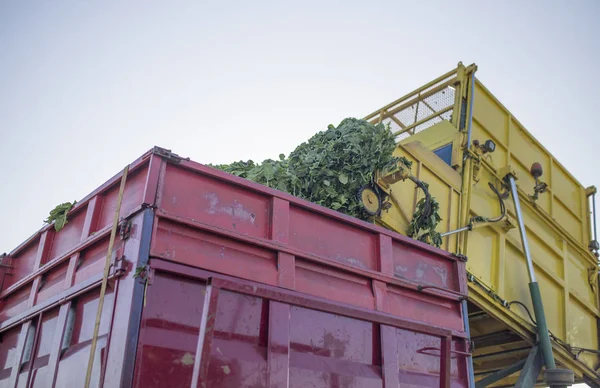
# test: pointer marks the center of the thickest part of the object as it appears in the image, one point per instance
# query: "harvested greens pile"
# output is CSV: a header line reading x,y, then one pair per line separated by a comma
x,y
331,167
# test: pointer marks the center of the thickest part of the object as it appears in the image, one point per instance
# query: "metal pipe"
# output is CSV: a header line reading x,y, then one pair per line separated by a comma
x,y
469,360
515,195
470,125
534,289
594,215
456,231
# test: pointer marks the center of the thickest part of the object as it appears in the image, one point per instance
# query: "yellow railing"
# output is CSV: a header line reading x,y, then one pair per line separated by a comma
x,y
438,100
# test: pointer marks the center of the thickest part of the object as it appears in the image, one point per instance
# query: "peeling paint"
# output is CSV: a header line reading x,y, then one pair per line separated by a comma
x,y
351,261
226,369
236,210
187,359
443,273
420,272
440,271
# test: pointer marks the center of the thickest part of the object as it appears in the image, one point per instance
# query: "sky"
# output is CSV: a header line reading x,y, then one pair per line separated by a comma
x,y
87,87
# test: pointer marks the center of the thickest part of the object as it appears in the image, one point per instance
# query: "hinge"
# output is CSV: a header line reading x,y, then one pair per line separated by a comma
x,y
125,229
168,155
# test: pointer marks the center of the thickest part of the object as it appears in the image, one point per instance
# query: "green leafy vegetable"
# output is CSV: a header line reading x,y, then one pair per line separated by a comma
x,y
58,215
423,225
331,167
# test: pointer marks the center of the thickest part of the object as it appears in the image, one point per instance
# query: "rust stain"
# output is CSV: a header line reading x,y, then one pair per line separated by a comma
x,y
337,346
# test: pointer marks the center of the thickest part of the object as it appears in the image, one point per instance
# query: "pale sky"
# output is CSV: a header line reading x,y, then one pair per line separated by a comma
x,y
87,87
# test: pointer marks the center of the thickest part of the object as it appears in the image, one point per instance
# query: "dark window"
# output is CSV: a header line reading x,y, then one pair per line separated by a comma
x,y
445,153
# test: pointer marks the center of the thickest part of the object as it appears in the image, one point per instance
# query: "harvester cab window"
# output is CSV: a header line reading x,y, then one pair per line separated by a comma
x,y
445,153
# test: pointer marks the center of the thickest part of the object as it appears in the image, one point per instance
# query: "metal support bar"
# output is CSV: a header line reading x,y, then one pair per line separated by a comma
x,y
534,289
531,369
499,375
456,231
519,214
590,382
503,337
468,360
594,211
595,242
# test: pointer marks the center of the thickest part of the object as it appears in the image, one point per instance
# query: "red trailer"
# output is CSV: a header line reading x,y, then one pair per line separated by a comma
x,y
215,281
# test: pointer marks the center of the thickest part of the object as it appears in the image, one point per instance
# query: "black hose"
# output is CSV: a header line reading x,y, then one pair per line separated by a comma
x,y
562,343
526,309
502,205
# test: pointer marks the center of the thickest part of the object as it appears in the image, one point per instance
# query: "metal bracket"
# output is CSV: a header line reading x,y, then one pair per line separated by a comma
x,y
120,266
2,263
125,229
508,223
507,170
168,155
459,256
530,370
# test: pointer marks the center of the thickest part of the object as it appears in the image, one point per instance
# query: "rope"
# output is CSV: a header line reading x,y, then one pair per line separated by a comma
x,y
111,244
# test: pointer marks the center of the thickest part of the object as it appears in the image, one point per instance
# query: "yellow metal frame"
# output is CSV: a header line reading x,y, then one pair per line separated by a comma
x,y
561,213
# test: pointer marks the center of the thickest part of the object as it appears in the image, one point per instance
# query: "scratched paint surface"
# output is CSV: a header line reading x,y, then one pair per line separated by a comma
x,y
413,264
215,203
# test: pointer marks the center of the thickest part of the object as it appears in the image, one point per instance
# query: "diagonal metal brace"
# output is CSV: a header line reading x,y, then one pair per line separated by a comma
x,y
531,369
499,375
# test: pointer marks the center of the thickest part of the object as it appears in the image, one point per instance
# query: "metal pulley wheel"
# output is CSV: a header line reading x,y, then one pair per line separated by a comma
x,y
370,199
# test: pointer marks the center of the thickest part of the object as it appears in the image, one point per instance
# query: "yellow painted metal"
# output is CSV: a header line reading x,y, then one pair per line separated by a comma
x,y
558,223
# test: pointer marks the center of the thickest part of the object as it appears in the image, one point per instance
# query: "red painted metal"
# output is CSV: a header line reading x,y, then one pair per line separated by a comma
x,y
243,286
